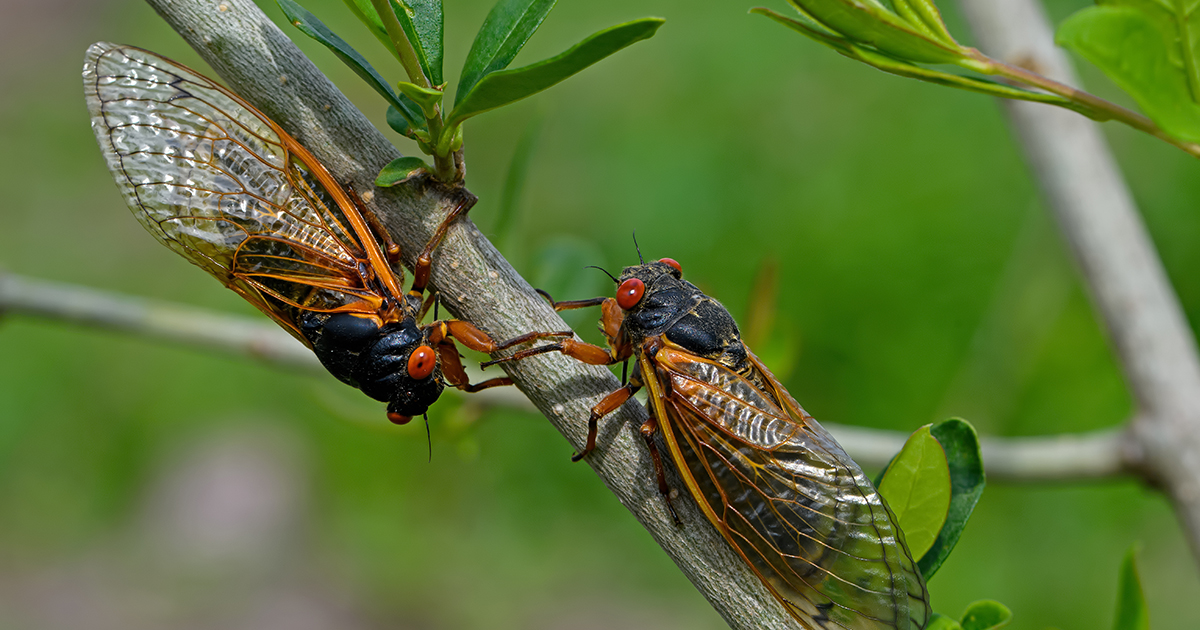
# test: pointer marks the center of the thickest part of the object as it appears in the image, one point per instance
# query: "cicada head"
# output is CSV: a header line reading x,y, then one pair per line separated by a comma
x,y
658,301
402,368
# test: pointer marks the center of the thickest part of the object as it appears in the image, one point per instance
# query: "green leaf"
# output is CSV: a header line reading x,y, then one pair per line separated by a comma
x,y
507,86
986,615
1132,613
869,22
916,486
961,445
508,26
314,28
1179,21
366,13
941,622
401,170
1133,51
925,17
426,98
421,21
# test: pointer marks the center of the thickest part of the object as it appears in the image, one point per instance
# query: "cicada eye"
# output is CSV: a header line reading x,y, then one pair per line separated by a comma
x,y
674,264
630,293
421,363
396,418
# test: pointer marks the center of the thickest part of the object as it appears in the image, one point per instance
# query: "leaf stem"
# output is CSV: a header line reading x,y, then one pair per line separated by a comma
x,y
1093,106
444,165
404,48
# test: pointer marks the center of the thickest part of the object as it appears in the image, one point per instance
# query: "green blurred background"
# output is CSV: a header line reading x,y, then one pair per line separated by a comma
x,y
919,277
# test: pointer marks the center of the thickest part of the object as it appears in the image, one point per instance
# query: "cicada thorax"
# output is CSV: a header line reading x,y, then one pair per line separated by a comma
x,y
392,363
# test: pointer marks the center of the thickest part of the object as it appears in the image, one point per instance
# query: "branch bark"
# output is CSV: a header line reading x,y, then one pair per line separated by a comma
x,y
1084,189
261,64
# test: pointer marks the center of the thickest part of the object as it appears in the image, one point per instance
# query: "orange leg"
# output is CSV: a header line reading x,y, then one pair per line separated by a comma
x,y
477,340
425,260
585,352
456,376
607,405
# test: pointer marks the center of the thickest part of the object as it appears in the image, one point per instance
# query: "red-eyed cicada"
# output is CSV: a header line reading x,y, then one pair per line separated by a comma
x,y
222,185
776,485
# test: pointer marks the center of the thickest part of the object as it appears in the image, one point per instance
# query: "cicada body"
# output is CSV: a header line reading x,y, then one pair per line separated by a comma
x,y
776,485
219,183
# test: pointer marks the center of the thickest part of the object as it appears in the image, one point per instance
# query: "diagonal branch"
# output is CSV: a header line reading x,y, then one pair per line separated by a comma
x,y
260,63
1095,211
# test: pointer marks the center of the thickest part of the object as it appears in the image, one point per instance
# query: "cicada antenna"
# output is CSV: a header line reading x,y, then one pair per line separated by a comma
x,y
641,261
614,279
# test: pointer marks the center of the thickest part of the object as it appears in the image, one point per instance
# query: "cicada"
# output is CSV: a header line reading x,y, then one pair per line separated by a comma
x,y
776,485
218,182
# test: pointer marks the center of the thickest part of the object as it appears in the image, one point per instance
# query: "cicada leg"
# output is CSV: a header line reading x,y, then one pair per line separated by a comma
x,y
607,405
648,429
425,260
442,335
382,236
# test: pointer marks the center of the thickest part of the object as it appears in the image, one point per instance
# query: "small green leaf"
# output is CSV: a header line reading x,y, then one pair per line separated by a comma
x,y
314,28
401,170
869,22
1132,613
925,17
986,615
427,98
941,622
507,86
508,26
916,486
967,481
1133,51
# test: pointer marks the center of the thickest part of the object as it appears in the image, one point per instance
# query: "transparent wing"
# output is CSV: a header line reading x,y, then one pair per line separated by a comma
x,y
787,497
215,180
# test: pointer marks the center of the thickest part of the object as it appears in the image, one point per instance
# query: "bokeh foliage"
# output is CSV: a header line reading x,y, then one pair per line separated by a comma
x,y
919,278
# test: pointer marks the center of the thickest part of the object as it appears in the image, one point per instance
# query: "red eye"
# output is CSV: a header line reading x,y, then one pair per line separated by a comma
x,y
397,418
630,293
672,263
421,362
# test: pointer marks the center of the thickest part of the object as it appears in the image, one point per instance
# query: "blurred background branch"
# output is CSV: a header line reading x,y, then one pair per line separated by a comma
x,y
1072,164
1061,458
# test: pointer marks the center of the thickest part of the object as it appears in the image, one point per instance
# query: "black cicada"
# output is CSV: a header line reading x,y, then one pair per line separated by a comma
x,y
222,185
784,494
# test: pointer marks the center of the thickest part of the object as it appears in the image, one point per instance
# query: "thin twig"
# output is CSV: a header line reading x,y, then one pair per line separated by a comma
x,y
1056,458
1095,211
476,283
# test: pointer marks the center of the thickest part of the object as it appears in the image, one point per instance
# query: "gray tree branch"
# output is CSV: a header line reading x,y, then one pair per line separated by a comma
x,y
1127,283
261,64
1098,455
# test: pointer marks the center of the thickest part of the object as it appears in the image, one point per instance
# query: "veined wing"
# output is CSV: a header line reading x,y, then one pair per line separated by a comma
x,y
786,496
221,184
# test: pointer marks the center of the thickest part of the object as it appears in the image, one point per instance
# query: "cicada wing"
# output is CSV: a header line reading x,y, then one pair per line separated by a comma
x,y
787,497
222,185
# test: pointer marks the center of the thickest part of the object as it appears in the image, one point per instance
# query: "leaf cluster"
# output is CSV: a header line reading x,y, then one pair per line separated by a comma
x,y
412,31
